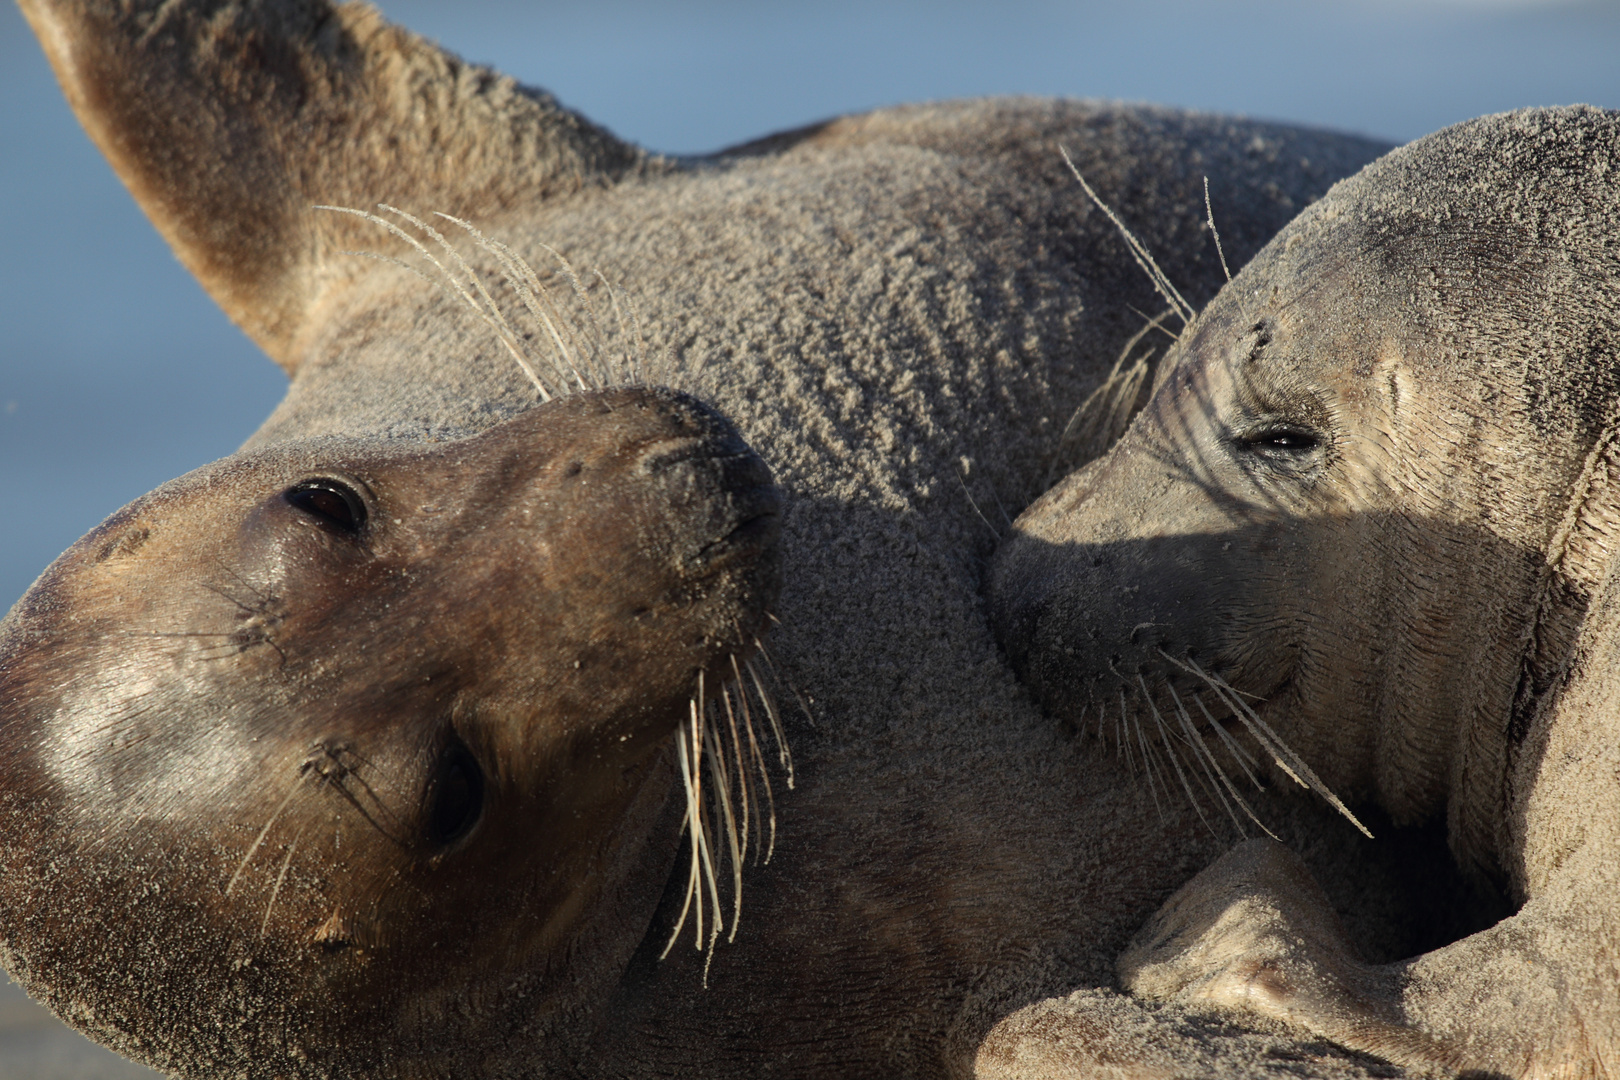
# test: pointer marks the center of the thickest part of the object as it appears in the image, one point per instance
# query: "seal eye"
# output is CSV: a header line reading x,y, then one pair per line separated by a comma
x,y
455,796
1282,439
336,507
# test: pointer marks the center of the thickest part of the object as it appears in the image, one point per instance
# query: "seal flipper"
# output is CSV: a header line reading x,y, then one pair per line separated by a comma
x,y
228,121
1254,932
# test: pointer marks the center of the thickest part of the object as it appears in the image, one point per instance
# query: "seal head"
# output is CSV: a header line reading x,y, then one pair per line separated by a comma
x,y
1343,496
372,733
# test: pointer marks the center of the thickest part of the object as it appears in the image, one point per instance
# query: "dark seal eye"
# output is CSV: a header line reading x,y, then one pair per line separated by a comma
x,y
455,796
1284,439
334,506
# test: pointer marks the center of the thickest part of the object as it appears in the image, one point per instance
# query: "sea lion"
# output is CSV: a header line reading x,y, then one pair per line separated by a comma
x,y
897,311
1370,516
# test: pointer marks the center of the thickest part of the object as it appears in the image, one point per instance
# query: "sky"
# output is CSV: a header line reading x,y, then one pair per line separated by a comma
x,y
117,372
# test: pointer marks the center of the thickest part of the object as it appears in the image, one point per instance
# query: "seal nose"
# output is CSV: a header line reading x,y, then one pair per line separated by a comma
x,y
708,469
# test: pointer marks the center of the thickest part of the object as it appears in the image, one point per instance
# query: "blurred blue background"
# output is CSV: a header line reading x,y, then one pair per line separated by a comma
x,y
116,372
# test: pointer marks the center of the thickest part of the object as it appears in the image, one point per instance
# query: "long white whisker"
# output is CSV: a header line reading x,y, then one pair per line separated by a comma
x,y
698,742
723,784
744,784
1161,283
1170,750
258,840
784,756
531,292
759,759
491,318
599,345
1267,738
1209,212
1206,760
1147,762
694,828
275,890
1233,747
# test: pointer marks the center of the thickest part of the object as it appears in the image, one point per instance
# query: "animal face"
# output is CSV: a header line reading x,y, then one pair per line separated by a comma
x,y
330,688
1336,506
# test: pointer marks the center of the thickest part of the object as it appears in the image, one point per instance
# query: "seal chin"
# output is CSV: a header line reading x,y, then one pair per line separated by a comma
x,y
389,723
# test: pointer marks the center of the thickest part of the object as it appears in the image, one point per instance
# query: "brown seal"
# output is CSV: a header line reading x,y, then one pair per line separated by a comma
x,y
1375,495
453,663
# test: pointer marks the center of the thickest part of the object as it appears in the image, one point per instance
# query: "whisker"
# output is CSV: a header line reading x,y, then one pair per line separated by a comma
x,y
1233,747
583,296
275,890
1284,757
973,503
1209,212
491,316
722,784
526,284
1122,744
335,781
701,828
744,783
1170,751
258,840
758,757
694,830
1106,412
1206,760
630,373
640,354
1147,763
1138,251
784,755
770,666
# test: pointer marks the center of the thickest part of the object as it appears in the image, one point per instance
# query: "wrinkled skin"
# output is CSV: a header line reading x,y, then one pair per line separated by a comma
x,y
1375,491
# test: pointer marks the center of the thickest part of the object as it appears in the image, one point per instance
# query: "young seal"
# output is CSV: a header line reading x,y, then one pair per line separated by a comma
x,y
333,606
296,718
1371,515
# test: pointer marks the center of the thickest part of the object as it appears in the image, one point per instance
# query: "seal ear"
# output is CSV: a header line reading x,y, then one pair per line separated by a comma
x,y
229,120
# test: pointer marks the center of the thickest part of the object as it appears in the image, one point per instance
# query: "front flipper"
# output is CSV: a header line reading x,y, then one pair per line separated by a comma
x,y
228,120
1101,1035
1254,933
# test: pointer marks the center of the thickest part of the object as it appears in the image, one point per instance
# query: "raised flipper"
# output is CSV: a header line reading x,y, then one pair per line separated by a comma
x,y
229,121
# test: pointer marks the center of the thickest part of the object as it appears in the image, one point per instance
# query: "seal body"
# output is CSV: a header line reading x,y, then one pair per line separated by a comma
x,y
897,312
1373,493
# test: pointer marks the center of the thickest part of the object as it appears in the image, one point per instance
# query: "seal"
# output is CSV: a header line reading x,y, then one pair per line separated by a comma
x,y
330,605
1374,496
407,843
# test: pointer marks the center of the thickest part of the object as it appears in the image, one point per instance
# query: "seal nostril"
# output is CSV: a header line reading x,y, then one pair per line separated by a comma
x,y
331,504
455,796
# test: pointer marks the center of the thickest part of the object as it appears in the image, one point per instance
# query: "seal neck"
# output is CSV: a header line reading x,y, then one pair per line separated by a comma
x,y
1574,570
